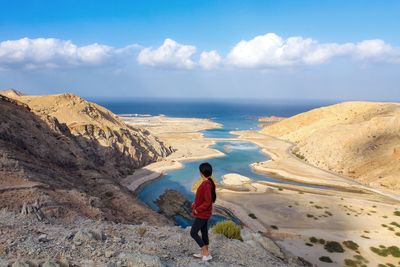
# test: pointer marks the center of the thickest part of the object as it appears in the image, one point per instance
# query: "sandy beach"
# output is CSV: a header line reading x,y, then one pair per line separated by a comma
x,y
182,134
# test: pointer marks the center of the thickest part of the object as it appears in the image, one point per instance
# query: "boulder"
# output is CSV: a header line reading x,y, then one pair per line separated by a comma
x,y
140,260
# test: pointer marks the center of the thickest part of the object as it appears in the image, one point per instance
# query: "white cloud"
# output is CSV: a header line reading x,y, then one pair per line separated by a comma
x,y
210,60
264,51
50,52
169,55
271,50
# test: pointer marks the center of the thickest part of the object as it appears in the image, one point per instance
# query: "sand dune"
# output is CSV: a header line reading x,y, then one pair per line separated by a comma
x,y
360,140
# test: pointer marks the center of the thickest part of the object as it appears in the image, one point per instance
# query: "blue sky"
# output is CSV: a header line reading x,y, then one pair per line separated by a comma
x,y
290,49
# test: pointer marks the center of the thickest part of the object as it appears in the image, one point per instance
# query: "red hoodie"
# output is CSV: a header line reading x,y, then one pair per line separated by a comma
x,y
203,201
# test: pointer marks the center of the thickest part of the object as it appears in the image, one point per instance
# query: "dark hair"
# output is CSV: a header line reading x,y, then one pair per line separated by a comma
x,y
206,169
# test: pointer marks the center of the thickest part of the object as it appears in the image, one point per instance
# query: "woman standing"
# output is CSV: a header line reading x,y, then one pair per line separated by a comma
x,y
202,209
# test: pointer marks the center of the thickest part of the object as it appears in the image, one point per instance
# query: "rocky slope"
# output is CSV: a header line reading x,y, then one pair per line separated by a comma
x,y
125,147
358,139
68,154
25,240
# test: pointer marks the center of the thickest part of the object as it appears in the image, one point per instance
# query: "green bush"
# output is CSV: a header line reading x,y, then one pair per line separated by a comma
x,y
397,213
333,246
395,251
395,224
350,263
227,228
385,251
381,252
325,259
351,245
252,215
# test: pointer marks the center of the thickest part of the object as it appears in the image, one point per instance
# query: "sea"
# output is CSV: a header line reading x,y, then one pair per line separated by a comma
x,y
233,115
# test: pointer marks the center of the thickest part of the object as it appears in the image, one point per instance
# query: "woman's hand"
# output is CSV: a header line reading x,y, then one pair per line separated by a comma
x,y
194,211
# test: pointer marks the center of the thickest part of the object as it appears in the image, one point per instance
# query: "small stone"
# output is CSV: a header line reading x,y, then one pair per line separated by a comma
x,y
50,263
19,263
69,236
43,238
109,253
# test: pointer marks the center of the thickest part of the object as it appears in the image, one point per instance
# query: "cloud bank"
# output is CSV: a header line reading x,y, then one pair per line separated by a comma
x,y
271,50
261,52
50,52
169,55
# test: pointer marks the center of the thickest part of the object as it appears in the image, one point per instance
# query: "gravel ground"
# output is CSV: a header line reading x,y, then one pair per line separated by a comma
x,y
25,241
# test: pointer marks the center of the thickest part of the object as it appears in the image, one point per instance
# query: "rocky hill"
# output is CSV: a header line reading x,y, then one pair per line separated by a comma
x,y
68,154
358,139
11,93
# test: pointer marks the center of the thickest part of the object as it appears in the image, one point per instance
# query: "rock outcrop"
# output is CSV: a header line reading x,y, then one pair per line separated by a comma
x,y
68,154
173,203
111,143
357,139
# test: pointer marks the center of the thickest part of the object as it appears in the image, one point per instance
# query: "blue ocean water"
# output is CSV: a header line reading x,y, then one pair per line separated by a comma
x,y
233,115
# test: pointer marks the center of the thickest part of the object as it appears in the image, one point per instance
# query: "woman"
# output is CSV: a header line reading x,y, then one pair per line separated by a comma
x,y
201,210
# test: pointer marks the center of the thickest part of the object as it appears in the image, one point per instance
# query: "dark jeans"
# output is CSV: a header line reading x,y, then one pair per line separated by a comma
x,y
200,225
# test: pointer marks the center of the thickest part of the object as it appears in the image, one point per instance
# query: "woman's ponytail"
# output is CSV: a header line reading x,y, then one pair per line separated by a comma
x,y
213,191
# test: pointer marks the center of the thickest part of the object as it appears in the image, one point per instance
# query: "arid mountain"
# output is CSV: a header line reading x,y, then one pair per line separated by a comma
x,y
357,139
69,154
11,93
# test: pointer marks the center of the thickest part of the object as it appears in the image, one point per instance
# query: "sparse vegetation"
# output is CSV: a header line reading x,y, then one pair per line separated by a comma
x,y
297,154
334,247
141,231
360,258
227,228
351,245
274,227
350,263
397,213
366,237
358,261
252,215
328,213
325,259
395,224
385,251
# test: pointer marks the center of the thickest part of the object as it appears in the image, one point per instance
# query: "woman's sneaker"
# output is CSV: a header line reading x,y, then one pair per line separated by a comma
x,y
206,258
198,256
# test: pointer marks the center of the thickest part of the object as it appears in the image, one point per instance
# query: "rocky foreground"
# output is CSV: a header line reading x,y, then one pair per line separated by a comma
x,y
360,140
28,242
